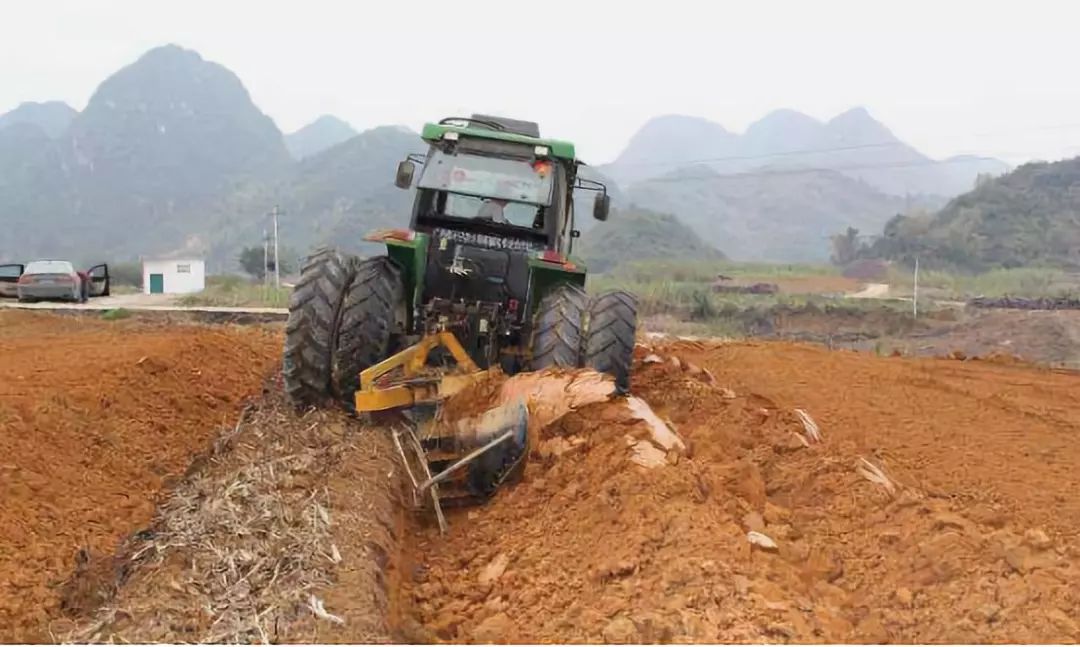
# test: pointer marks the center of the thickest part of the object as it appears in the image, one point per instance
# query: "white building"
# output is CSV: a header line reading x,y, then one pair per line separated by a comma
x,y
173,275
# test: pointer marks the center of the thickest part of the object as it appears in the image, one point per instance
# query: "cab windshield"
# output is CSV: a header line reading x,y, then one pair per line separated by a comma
x,y
519,214
506,180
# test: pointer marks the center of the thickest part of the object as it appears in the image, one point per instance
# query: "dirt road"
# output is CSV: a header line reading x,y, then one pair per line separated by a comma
x,y
136,302
95,418
935,503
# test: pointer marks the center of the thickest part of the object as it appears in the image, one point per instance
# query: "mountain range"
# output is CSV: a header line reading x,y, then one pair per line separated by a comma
x,y
852,143
171,155
323,133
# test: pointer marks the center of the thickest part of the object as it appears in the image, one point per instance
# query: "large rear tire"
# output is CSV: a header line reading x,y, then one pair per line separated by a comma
x,y
556,339
609,339
311,332
370,328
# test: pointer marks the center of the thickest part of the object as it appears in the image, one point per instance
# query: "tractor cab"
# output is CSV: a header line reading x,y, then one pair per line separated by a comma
x,y
497,177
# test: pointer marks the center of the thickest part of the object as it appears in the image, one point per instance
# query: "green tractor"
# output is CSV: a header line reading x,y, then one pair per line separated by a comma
x,y
486,258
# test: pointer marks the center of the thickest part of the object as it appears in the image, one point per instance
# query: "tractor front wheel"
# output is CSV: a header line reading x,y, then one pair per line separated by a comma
x,y
609,340
371,324
311,332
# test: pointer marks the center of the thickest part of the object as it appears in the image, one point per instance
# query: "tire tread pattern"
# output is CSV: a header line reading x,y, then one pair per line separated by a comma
x,y
311,330
556,338
368,323
609,339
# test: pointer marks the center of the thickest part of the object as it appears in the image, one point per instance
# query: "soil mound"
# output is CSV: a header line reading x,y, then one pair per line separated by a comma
x,y
783,524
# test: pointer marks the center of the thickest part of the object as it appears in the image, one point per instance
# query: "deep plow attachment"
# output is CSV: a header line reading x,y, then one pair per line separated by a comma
x,y
453,463
463,431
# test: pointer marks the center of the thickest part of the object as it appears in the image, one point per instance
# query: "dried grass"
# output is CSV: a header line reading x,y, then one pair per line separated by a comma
x,y
238,549
812,431
875,474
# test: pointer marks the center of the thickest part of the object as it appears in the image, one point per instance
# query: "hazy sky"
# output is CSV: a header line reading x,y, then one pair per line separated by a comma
x,y
993,78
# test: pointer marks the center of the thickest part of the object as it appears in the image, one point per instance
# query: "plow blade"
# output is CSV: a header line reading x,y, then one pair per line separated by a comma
x,y
456,463
466,467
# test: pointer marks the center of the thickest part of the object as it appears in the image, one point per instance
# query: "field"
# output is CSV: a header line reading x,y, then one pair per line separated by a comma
x,y
158,488
97,418
235,291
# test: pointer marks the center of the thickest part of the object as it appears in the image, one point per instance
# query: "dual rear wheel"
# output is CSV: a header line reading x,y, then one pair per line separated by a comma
x,y
344,316
573,330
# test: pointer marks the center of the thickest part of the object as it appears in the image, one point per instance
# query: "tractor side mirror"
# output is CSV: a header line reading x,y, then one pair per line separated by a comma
x,y
601,207
404,177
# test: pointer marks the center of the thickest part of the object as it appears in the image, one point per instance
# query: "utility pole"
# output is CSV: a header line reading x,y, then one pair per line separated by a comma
x,y
266,257
277,265
915,292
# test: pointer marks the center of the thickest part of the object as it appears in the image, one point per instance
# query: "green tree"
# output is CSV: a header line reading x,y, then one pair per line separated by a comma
x,y
252,262
845,247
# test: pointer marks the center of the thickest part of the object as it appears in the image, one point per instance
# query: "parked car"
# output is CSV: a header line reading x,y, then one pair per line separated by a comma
x,y
9,279
52,279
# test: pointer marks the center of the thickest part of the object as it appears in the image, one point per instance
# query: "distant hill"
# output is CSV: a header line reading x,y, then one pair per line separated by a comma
x,y
36,193
319,135
173,126
639,234
53,117
1030,216
852,143
137,172
668,142
775,214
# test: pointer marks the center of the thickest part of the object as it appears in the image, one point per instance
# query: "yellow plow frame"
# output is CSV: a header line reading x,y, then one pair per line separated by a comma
x,y
416,384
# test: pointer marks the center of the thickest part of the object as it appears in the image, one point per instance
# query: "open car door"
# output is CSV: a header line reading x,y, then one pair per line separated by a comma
x,y
99,280
9,279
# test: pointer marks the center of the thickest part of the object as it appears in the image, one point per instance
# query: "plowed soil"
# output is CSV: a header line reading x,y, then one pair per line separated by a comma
x,y
95,419
939,506
824,496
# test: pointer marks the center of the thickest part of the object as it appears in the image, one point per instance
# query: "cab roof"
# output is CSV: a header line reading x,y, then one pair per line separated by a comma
x,y
556,147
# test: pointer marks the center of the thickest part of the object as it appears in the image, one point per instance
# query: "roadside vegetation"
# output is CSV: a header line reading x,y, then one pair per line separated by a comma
x,y
1017,282
679,297
116,314
236,292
